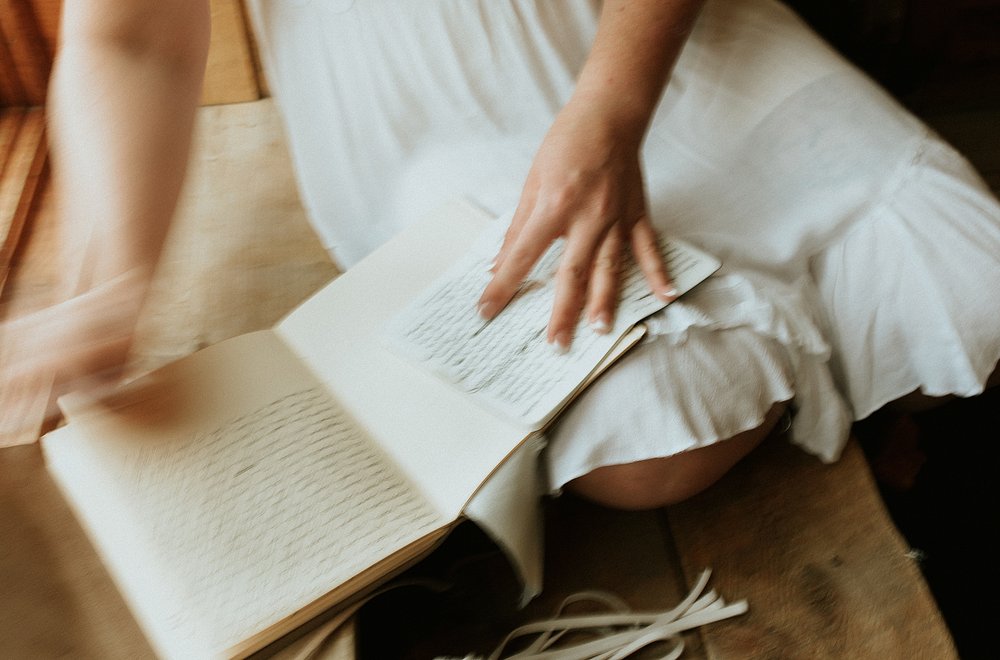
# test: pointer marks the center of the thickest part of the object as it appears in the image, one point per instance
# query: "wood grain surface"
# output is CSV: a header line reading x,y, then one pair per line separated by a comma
x,y
810,546
22,164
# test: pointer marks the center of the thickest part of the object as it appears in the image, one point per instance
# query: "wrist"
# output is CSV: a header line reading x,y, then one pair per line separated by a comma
x,y
622,123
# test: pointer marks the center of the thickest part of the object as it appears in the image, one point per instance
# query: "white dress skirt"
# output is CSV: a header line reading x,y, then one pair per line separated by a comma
x,y
861,253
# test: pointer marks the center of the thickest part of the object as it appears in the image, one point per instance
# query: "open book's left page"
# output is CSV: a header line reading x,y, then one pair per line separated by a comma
x,y
229,492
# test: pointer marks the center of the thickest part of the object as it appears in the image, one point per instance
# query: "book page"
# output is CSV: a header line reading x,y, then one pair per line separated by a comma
x,y
237,495
507,508
446,444
506,364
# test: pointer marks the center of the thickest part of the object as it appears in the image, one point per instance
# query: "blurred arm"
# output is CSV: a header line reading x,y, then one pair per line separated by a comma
x,y
122,102
121,109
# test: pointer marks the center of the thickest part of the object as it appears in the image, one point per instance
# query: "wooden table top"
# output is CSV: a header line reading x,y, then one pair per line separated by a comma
x,y
809,546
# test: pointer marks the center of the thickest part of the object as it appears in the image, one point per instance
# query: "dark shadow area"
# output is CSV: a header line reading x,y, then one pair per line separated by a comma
x,y
464,595
937,474
909,44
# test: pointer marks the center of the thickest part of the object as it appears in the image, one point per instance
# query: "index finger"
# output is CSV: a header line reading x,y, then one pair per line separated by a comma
x,y
533,240
525,208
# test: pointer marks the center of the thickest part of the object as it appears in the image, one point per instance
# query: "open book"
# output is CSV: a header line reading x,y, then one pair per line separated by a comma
x,y
239,492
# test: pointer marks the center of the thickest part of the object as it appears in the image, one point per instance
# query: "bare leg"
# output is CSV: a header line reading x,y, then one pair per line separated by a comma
x,y
661,481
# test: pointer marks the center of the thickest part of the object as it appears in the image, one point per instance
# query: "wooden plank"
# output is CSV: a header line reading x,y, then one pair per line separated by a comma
x,y
10,124
19,183
230,75
47,15
35,276
812,549
11,91
26,44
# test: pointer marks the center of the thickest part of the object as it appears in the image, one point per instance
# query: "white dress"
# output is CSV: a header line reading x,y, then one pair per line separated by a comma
x,y
861,252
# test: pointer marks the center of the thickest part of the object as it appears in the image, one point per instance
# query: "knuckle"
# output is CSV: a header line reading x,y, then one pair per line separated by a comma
x,y
607,263
560,201
607,205
573,271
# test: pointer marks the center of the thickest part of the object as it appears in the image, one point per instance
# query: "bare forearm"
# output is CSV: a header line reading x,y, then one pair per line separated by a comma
x,y
122,104
637,44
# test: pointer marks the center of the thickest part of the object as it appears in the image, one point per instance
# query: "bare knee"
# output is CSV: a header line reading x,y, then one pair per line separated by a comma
x,y
660,482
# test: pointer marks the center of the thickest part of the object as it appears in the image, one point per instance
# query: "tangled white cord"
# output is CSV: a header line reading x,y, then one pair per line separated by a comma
x,y
621,632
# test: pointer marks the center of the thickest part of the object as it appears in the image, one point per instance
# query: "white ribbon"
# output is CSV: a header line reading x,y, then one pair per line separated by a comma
x,y
621,632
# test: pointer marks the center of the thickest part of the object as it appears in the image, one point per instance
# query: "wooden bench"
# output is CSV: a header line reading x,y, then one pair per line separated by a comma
x,y
809,546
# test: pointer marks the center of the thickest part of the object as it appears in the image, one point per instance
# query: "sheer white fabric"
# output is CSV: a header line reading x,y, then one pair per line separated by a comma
x,y
862,254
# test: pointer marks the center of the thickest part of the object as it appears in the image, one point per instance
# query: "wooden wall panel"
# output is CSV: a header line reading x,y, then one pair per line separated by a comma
x,y
34,282
10,123
22,163
47,13
27,52
11,93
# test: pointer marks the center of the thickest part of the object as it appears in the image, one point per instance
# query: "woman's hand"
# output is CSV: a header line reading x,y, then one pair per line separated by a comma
x,y
585,185
82,343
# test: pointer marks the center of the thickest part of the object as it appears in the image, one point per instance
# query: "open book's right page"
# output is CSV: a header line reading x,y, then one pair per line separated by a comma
x,y
506,363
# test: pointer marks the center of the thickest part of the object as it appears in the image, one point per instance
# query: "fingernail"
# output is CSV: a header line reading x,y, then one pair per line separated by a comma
x,y
601,325
492,266
560,343
487,309
671,293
